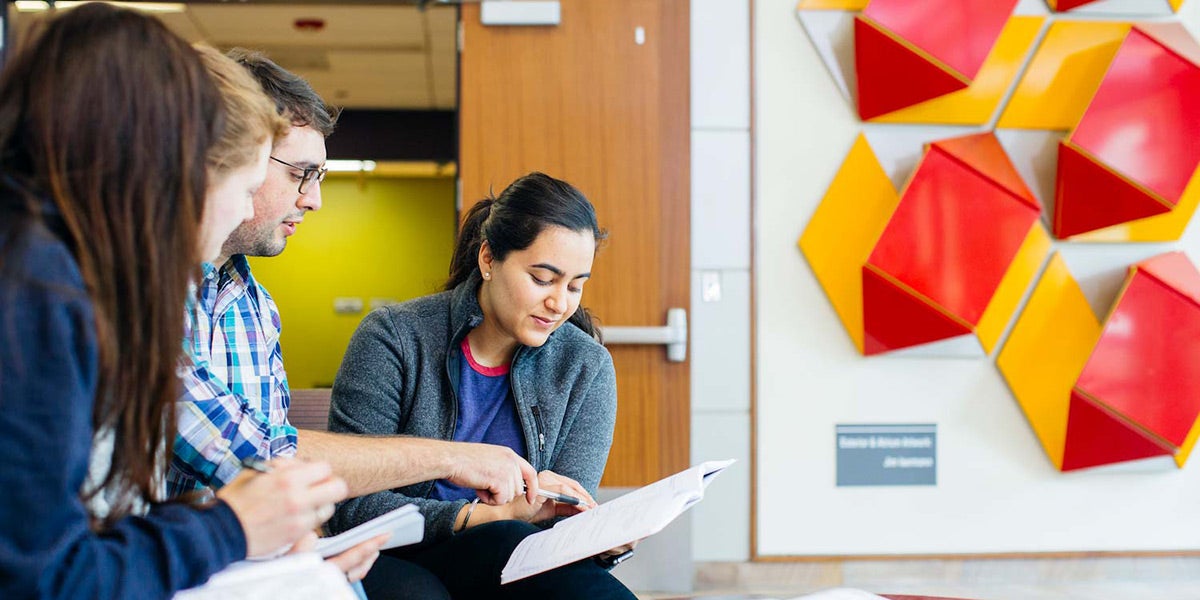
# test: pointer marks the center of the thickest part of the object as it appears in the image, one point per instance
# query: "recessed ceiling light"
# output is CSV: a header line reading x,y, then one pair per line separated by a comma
x,y
349,166
150,7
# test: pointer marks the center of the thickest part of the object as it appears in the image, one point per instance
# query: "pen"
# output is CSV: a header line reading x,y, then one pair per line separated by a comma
x,y
255,464
560,498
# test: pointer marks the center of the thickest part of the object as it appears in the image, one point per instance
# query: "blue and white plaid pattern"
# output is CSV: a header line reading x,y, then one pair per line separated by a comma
x,y
235,392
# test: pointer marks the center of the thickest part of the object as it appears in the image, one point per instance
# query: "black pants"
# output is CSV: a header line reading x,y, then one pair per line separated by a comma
x,y
468,566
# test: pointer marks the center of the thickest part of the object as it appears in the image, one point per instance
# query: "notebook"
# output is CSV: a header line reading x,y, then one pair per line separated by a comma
x,y
406,525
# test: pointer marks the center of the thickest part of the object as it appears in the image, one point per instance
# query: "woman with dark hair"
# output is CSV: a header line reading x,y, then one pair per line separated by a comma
x,y
105,122
507,356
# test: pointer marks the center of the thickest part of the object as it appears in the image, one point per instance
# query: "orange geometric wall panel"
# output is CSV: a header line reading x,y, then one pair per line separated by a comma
x,y
1097,395
950,256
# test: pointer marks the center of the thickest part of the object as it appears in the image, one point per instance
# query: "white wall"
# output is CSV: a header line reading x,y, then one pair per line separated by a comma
x,y
997,491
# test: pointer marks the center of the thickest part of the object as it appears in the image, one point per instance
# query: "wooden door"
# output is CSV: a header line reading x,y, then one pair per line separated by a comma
x,y
597,103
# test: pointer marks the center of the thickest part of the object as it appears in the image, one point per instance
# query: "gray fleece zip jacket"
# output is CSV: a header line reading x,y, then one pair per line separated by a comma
x,y
400,376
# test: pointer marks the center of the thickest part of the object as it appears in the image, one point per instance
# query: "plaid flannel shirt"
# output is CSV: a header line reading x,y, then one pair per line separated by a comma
x,y
235,393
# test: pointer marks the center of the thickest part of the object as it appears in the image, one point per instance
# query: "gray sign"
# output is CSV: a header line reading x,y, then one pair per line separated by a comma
x,y
886,454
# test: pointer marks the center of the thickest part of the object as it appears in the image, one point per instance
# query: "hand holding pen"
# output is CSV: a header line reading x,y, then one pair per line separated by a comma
x,y
560,498
565,497
278,507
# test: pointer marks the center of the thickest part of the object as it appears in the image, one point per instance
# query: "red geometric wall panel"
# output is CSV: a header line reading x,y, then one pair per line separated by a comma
x,y
909,52
1134,151
1144,369
934,266
1062,5
1137,395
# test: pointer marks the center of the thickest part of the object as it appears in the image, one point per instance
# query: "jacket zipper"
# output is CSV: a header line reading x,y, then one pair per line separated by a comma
x,y
537,423
533,408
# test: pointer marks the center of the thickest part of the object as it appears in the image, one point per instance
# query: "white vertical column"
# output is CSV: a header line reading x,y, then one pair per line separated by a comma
x,y
720,319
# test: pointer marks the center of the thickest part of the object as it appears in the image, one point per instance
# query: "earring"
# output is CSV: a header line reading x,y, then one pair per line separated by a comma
x,y
487,275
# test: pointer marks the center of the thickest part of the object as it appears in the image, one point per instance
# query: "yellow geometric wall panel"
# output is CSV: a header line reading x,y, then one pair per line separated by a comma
x,y
1063,74
1046,352
844,229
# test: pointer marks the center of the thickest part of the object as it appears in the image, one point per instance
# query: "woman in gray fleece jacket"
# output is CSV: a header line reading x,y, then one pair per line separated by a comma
x,y
506,355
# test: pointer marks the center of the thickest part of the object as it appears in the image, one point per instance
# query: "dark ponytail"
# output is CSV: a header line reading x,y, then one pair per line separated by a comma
x,y
466,247
514,219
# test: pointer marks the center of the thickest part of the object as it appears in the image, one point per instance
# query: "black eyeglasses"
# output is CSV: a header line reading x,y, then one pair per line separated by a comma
x,y
309,174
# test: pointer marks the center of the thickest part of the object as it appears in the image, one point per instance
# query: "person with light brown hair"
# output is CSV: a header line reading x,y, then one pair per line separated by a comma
x,y
237,160
106,122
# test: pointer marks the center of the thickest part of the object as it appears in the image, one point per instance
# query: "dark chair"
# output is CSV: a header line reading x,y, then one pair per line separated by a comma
x,y
310,409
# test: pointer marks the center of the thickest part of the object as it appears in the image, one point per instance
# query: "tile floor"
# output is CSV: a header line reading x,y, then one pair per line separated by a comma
x,y
1168,578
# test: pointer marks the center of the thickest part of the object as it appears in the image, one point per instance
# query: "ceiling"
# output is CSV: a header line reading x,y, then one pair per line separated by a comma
x,y
362,56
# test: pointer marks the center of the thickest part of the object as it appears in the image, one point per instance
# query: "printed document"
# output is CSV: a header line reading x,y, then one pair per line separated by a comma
x,y
636,515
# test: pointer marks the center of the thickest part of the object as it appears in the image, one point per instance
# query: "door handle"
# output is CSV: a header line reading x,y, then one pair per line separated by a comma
x,y
673,335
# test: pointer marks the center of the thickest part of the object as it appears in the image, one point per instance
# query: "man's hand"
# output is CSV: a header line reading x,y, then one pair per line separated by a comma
x,y
496,472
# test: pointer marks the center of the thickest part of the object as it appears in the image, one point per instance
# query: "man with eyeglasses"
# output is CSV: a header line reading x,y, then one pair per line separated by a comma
x,y
235,392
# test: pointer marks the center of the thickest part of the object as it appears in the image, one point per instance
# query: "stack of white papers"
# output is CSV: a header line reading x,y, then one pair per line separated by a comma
x,y
307,576
636,515
295,577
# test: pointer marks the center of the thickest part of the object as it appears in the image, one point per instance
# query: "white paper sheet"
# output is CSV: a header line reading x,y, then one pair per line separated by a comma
x,y
297,577
841,594
636,515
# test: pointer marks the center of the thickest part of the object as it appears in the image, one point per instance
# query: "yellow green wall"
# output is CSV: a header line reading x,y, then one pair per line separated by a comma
x,y
372,238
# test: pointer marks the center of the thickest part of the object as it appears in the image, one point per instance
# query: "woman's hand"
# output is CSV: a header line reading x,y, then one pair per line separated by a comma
x,y
280,507
354,562
542,509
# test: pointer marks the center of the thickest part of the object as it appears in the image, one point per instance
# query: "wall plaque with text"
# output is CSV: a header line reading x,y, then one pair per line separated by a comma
x,y
886,454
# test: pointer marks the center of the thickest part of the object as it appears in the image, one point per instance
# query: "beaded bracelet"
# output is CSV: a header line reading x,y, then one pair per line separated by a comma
x,y
467,518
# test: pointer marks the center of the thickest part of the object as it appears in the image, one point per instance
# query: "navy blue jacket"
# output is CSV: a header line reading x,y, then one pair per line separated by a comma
x,y
48,378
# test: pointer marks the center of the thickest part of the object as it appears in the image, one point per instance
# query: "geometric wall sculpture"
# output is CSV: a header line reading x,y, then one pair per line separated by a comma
x,y
1125,390
950,256
1103,116
1123,95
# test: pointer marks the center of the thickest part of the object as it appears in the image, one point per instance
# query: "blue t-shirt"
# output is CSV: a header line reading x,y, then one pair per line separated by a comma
x,y
486,414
